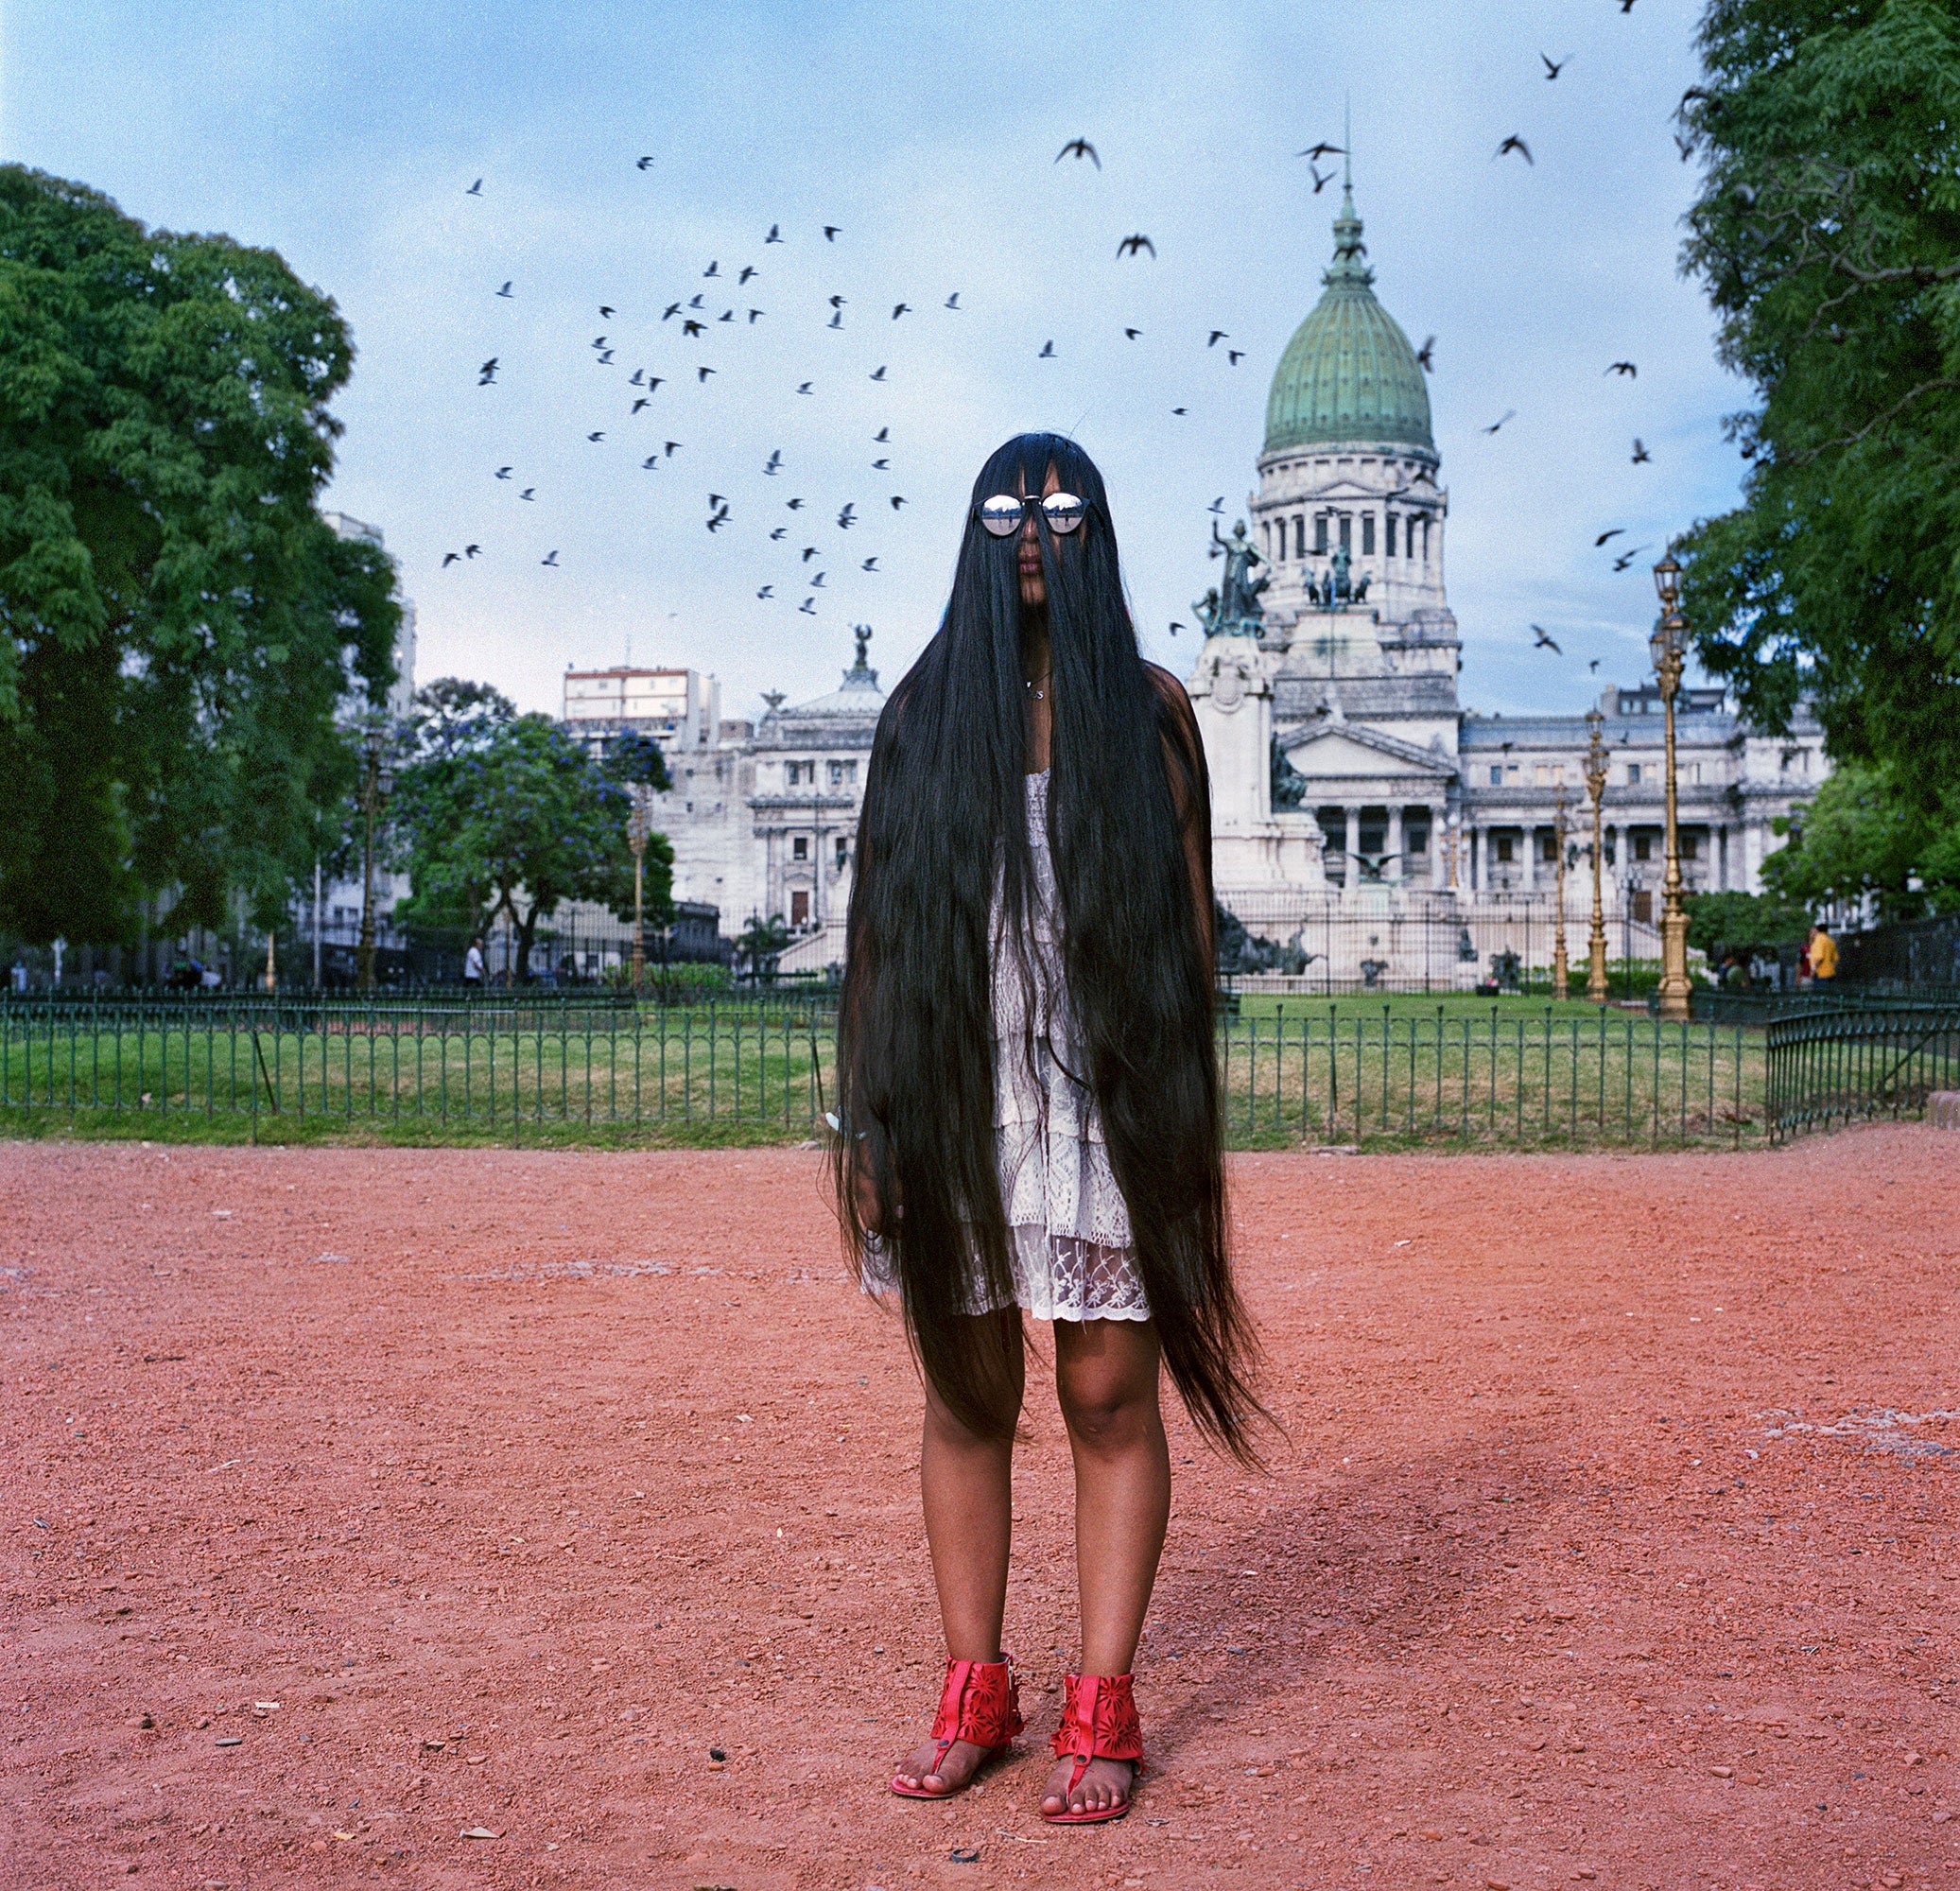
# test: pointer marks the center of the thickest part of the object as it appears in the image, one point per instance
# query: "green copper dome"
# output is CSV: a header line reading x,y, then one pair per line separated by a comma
x,y
1348,375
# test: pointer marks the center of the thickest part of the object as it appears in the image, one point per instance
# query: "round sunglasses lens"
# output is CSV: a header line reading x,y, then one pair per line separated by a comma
x,y
1002,515
1064,512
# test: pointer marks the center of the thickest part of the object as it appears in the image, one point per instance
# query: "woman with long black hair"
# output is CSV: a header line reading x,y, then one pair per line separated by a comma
x,y
1028,1095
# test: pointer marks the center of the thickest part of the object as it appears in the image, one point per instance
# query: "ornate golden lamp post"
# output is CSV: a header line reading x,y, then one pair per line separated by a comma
x,y
1596,787
1666,646
376,785
1559,967
639,826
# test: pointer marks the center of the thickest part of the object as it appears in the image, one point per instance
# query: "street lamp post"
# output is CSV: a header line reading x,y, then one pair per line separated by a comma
x,y
1560,969
376,785
1666,646
639,824
1596,787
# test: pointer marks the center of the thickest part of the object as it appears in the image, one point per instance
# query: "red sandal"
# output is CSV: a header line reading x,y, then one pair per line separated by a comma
x,y
981,1703
1099,1722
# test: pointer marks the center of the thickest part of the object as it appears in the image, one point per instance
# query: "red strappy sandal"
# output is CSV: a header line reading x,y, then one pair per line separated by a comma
x,y
981,1702
1099,1722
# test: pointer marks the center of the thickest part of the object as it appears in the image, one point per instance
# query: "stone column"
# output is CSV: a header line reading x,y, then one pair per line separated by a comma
x,y
1531,856
1352,843
1394,840
1439,838
1474,863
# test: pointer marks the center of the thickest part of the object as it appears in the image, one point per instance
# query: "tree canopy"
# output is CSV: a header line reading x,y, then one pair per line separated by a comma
x,y
508,814
178,623
1828,233
1867,835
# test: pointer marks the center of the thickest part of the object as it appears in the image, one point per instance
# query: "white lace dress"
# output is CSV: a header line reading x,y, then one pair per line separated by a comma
x,y
1068,1229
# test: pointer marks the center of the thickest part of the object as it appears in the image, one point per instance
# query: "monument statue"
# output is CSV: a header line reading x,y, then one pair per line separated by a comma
x,y
1233,608
1337,588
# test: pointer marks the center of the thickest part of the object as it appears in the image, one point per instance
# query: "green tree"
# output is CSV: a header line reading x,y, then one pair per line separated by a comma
x,y
1743,922
1828,233
178,624
761,943
1865,835
507,814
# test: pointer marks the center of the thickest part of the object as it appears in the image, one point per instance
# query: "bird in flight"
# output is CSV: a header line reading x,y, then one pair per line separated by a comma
x,y
450,558
714,268
880,374
1233,356
848,518
471,551
748,271
651,463
550,558
1626,558
1130,246
1509,413
817,582
1422,354
952,301
837,320
1078,148
753,313
1626,6
605,310
644,163
505,290
1514,143
1623,368
726,315
808,607
1323,150
642,402
692,327
503,472
1685,146
809,552
903,308
776,234
605,358
673,447
694,301
1179,411
1218,334
1545,641
673,308
1048,352
1552,69
1641,456
881,436
719,520
594,438
1594,664
529,493
898,500
880,465
702,373
781,532
475,189
1218,505
767,591
773,465
831,232
1320,182
1130,334
871,564
796,504
1175,628
1612,533
487,373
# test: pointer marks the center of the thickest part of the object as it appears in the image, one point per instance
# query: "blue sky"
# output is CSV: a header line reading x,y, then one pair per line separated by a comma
x,y
345,135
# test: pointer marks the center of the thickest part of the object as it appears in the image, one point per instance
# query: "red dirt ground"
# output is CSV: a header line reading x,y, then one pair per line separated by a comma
x,y
1614,1540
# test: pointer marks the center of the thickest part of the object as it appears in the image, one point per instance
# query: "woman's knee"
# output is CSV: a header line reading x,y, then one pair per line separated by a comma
x,y
1106,1382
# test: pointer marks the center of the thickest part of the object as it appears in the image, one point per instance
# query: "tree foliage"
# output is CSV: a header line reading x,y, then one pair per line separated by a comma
x,y
508,815
1743,922
1866,835
177,622
1828,233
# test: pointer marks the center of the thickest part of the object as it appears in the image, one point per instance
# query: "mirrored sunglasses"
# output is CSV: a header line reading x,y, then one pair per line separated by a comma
x,y
1002,514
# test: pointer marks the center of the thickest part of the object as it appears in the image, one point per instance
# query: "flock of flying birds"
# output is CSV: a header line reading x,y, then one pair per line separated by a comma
x,y
814,538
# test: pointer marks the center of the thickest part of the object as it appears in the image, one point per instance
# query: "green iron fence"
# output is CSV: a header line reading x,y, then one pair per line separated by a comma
x,y
1505,1075
1831,1066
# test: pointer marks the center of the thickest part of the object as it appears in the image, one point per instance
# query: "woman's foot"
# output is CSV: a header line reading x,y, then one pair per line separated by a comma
x,y
922,1771
1105,1784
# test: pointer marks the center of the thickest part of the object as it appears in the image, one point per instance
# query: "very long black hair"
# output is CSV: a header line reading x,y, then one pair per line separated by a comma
x,y
945,823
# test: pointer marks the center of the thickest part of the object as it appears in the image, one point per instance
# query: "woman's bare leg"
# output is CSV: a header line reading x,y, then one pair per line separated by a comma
x,y
1106,1379
967,1486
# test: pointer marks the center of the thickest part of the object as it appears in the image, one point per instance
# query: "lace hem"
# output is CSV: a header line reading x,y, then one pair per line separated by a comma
x,y
1055,1276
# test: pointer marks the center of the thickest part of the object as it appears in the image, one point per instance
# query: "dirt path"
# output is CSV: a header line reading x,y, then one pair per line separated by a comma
x,y
1615,1541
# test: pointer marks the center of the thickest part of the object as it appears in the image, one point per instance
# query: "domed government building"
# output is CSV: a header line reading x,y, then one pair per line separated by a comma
x,y
1367,828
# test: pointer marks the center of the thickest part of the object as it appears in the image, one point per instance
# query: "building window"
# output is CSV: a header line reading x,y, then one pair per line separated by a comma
x,y
1694,771
1388,535
1643,846
1548,846
1502,843
799,908
1415,838
843,775
1633,778
1346,531
800,847
1497,774
1367,534
1320,543
1690,846
1642,907
1425,540
844,853
1299,534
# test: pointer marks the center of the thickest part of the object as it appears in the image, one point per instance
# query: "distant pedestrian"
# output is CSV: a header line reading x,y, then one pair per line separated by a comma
x,y
1820,953
472,965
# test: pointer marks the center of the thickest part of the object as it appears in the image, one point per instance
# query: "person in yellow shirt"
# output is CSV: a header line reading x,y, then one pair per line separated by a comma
x,y
1820,954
